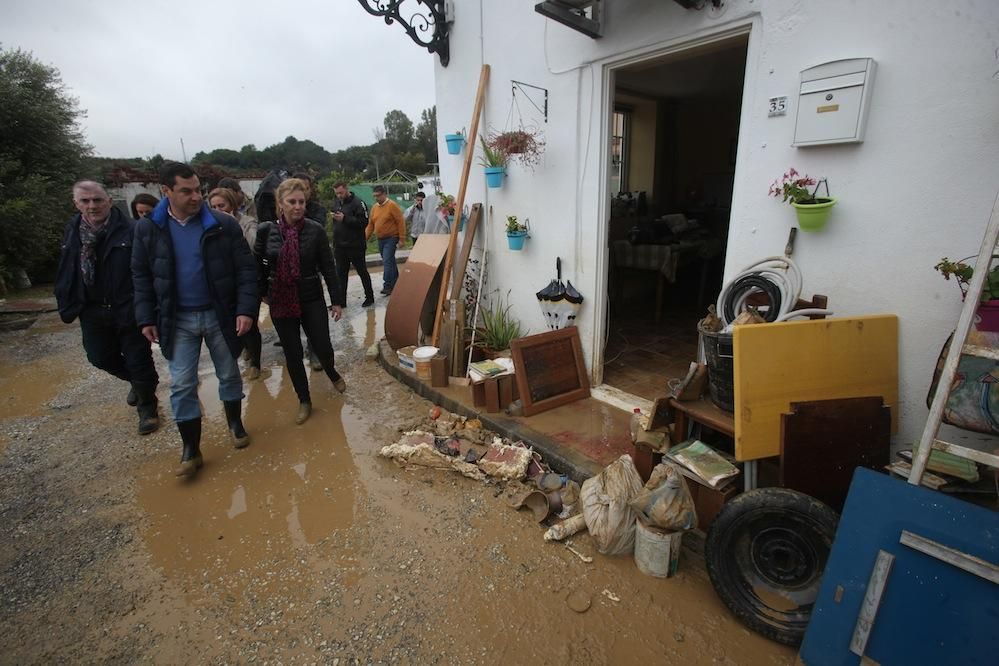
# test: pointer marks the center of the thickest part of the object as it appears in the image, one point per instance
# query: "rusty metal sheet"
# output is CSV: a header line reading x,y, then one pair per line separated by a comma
x,y
414,291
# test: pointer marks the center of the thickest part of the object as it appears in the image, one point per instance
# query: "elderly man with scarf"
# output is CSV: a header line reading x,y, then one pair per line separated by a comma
x,y
94,283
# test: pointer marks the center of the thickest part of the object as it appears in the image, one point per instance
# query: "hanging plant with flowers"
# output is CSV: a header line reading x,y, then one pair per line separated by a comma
x,y
812,210
523,145
446,204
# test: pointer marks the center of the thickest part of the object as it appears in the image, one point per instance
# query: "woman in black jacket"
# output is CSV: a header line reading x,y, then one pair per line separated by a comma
x,y
292,253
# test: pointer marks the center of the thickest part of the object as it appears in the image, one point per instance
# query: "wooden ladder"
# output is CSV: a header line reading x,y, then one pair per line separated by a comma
x,y
959,345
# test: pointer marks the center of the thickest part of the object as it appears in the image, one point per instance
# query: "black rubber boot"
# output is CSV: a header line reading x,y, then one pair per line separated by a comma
x,y
233,410
190,457
132,398
147,406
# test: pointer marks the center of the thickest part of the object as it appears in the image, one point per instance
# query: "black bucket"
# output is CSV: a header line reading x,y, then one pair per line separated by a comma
x,y
721,369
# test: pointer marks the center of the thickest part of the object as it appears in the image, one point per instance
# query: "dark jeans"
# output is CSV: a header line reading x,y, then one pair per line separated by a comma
x,y
254,342
118,350
315,322
390,270
345,258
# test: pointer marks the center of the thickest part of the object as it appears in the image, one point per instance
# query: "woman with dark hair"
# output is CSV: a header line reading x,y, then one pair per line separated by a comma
x,y
292,254
313,209
142,205
227,201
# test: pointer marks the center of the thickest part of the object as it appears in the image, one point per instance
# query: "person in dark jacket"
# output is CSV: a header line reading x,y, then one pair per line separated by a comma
x,y
94,283
313,211
142,205
263,200
293,253
350,218
195,281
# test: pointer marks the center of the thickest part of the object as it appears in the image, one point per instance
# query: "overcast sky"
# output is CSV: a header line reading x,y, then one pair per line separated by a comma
x,y
223,73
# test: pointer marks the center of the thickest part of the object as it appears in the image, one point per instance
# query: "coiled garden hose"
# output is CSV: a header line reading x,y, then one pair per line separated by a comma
x,y
777,277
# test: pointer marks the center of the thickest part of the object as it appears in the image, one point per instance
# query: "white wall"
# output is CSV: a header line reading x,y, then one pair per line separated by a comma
x,y
921,186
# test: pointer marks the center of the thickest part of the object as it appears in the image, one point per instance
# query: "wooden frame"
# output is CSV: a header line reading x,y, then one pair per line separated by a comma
x,y
550,370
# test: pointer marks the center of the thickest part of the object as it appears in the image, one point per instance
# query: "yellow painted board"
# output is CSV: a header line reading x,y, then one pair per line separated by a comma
x,y
777,364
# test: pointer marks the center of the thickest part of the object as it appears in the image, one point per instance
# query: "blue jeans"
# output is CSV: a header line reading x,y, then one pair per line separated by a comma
x,y
390,271
192,328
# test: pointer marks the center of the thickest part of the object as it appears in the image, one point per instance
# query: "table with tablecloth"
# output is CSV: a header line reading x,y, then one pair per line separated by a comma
x,y
665,259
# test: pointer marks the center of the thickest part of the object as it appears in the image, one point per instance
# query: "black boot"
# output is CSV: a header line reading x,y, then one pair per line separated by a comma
x,y
190,457
147,406
233,409
132,398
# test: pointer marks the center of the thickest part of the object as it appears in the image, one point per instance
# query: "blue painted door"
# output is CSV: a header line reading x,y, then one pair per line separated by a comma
x,y
930,611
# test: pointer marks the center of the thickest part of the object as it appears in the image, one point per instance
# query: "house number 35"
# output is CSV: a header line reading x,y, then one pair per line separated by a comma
x,y
778,107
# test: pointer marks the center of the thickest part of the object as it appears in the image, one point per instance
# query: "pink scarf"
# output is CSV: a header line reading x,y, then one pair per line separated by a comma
x,y
284,289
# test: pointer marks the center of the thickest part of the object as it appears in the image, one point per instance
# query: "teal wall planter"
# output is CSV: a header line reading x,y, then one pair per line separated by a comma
x,y
516,239
461,224
454,143
494,176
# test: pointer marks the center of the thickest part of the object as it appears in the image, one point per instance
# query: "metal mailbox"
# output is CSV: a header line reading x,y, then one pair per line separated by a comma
x,y
833,102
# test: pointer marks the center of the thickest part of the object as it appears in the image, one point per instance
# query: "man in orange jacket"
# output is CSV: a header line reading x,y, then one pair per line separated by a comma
x,y
387,223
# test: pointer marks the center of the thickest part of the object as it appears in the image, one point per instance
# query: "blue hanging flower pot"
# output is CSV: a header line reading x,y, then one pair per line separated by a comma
x,y
494,176
516,239
454,143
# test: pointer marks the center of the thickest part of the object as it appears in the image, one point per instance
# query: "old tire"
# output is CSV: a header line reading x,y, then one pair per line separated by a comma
x,y
766,552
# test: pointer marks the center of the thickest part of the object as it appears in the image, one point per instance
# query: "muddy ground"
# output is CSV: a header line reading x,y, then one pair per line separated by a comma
x,y
305,547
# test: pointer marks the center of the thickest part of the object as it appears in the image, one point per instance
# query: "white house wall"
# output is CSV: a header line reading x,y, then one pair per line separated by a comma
x,y
920,187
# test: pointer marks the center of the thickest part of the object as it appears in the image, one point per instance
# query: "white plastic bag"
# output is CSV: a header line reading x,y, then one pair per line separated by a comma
x,y
665,501
605,497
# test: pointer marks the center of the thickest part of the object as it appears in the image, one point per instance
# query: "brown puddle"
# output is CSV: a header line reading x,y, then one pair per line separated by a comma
x,y
25,389
366,326
248,509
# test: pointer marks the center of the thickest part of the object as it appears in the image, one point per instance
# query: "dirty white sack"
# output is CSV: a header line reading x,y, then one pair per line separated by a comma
x,y
665,500
605,499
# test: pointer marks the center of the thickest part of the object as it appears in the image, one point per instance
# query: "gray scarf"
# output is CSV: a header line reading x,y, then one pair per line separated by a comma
x,y
90,238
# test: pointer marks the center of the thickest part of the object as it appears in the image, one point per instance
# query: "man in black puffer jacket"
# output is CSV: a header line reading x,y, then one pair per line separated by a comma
x,y
350,218
195,280
94,283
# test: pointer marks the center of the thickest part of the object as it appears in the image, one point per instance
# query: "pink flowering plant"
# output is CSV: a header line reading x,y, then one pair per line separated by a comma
x,y
793,187
446,204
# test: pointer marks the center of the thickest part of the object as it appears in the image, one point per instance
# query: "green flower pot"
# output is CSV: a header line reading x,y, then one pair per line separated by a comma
x,y
813,217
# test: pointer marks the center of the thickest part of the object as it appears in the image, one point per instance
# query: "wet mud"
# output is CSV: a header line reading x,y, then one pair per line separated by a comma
x,y
303,547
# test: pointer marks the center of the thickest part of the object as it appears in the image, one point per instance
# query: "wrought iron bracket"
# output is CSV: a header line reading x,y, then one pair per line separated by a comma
x,y
427,22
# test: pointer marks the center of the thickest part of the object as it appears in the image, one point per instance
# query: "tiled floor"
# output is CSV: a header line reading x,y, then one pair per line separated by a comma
x,y
641,356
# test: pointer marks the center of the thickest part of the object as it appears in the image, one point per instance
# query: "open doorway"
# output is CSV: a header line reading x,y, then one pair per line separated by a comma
x,y
673,139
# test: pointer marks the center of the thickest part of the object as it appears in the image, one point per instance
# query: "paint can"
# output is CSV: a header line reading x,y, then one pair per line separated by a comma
x,y
657,551
422,357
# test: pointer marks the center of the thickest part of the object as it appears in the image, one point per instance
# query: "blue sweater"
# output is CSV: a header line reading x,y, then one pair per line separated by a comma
x,y
192,287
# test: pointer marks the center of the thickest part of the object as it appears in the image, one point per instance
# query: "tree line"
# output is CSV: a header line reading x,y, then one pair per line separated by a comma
x,y
43,152
398,144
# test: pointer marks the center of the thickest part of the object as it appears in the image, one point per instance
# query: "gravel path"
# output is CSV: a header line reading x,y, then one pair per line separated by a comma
x,y
303,548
